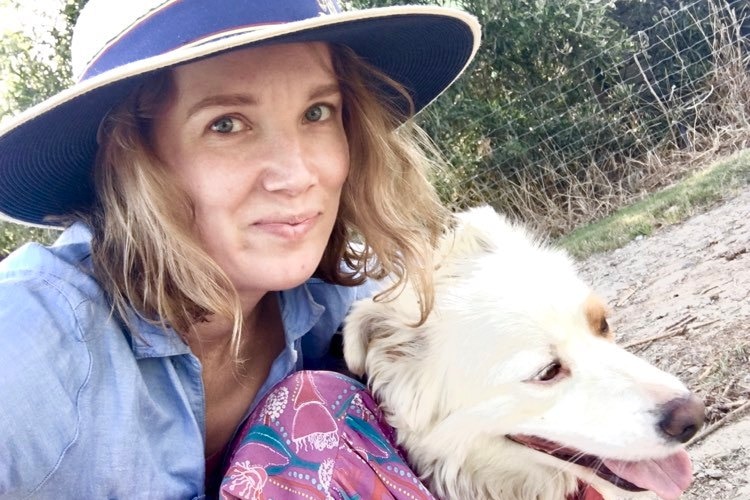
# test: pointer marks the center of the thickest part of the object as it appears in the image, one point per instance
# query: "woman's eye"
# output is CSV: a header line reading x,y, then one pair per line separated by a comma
x,y
227,125
318,112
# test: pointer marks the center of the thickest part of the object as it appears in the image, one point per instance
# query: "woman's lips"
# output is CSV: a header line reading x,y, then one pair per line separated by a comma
x,y
288,227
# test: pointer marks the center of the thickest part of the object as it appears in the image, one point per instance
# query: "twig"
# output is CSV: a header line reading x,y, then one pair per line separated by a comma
x,y
660,336
735,404
627,297
706,372
706,290
705,323
681,323
677,328
719,423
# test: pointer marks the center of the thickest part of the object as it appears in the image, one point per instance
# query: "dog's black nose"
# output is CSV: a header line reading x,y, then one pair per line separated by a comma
x,y
682,418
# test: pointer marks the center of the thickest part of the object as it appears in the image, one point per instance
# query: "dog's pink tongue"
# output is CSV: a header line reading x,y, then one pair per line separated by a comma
x,y
667,477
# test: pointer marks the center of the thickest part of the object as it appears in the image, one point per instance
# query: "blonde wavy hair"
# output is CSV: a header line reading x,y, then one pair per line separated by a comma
x,y
146,254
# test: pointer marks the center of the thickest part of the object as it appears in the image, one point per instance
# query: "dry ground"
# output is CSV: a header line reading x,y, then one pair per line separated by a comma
x,y
681,299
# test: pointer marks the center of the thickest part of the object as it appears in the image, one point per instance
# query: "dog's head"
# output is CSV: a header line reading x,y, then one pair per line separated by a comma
x,y
515,375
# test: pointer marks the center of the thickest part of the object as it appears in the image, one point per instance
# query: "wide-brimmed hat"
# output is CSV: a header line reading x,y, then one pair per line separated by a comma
x,y
47,152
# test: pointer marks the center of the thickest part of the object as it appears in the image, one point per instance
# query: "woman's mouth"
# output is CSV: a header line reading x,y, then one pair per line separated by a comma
x,y
288,227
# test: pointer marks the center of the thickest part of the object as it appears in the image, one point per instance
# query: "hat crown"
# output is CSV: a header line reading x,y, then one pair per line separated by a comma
x,y
112,33
99,22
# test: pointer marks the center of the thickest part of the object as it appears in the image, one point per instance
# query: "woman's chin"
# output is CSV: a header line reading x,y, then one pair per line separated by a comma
x,y
280,272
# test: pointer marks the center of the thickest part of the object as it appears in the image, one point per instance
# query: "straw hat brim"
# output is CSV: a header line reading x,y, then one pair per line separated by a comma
x,y
47,152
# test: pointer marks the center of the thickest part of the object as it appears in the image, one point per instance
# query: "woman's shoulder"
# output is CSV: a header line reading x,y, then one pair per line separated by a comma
x,y
66,264
43,362
45,310
58,341
48,291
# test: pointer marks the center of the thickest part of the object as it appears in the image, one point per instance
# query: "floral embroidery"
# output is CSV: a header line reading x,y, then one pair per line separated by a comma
x,y
325,473
276,403
319,436
247,480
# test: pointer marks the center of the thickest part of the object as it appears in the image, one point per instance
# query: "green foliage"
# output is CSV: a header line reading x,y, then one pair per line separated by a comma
x,y
674,57
526,93
33,67
36,66
558,86
28,77
675,42
13,236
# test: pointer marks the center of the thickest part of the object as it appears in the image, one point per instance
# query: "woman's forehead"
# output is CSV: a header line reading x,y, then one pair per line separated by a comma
x,y
273,74
261,63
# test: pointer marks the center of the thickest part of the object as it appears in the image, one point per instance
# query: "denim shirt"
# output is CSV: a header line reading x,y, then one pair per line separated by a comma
x,y
90,410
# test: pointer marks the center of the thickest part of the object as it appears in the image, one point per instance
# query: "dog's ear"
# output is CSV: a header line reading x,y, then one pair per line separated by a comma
x,y
473,232
379,335
360,325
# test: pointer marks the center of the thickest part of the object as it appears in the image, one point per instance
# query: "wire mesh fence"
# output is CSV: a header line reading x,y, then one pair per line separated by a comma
x,y
629,122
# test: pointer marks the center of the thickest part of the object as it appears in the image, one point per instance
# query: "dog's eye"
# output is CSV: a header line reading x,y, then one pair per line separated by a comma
x,y
550,372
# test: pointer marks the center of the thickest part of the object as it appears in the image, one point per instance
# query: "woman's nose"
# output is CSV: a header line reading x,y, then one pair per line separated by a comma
x,y
288,168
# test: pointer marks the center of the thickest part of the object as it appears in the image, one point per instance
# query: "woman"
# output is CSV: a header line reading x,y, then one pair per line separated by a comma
x,y
232,180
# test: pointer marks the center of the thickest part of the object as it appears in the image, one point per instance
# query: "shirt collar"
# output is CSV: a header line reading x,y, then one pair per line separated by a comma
x,y
299,313
153,340
75,234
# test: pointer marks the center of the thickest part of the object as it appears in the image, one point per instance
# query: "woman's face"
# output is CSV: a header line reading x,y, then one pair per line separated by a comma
x,y
256,140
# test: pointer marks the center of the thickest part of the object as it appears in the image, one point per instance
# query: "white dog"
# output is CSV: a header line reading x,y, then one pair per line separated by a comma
x,y
513,388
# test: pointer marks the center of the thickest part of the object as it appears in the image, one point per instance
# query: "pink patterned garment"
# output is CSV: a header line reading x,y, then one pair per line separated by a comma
x,y
318,435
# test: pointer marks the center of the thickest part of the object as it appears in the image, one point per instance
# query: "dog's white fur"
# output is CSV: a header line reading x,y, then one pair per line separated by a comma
x,y
508,307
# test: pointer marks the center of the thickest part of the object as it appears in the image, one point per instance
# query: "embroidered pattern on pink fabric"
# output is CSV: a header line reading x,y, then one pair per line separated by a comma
x,y
318,435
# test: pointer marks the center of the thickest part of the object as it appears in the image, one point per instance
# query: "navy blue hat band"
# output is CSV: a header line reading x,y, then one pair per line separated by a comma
x,y
184,22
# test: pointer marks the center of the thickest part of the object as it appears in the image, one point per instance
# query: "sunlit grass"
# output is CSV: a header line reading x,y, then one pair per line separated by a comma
x,y
696,193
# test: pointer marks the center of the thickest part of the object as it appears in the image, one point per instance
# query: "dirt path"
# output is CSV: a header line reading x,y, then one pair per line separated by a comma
x,y
687,288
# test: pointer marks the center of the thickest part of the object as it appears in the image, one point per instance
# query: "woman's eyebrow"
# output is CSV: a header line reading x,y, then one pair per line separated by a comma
x,y
324,90
316,92
222,100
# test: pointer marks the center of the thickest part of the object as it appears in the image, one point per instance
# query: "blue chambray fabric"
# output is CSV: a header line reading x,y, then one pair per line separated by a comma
x,y
90,410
